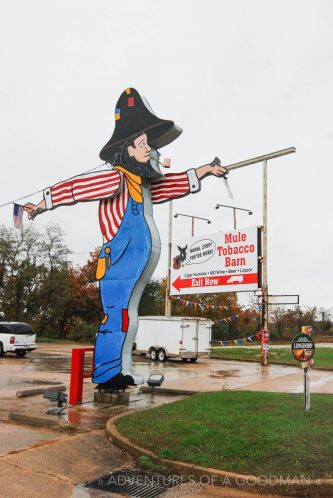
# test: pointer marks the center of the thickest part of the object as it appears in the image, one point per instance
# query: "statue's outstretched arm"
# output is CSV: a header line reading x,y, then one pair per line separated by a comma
x,y
176,185
83,188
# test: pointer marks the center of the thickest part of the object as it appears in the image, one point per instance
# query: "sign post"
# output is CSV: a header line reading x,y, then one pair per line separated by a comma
x,y
306,389
265,334
303,348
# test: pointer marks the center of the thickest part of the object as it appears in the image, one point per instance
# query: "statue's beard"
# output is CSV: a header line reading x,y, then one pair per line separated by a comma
x,y
147,171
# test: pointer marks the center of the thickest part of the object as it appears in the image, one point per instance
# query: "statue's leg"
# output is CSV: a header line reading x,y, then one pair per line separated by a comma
x,y
133,309
115,293
123,269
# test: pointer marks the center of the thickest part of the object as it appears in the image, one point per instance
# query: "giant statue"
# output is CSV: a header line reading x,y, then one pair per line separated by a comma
x,y
131,244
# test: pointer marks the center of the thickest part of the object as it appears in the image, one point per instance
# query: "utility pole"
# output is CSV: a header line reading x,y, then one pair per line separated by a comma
x,y
264,286
264,289
167,293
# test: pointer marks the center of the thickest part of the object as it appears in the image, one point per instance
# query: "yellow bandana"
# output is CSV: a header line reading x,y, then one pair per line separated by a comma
x,y
133,184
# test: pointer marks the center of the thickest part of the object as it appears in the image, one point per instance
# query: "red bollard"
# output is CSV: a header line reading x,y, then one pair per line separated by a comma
x,y
77,374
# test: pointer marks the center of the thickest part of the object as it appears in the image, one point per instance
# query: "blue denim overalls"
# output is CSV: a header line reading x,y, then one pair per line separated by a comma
x,y
123,261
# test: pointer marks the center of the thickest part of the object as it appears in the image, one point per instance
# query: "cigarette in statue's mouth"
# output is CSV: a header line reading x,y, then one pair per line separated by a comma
x,y
166,163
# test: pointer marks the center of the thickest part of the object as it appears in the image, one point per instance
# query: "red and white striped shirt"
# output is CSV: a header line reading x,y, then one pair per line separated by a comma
x,y
110,188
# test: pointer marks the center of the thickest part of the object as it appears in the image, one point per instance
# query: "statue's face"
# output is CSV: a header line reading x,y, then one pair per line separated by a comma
x,y
141,150
143,160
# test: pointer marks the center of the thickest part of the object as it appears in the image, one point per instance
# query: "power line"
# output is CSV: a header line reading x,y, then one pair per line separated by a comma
x,y
41,190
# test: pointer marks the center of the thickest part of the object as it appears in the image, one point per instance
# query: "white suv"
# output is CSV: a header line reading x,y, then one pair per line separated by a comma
x,y
16,337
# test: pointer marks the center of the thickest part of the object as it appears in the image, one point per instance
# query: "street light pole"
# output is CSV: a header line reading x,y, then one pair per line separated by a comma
x,y
234,209
168,279
192,220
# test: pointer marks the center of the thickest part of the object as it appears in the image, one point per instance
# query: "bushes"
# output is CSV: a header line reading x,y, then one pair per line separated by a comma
x,y
82,331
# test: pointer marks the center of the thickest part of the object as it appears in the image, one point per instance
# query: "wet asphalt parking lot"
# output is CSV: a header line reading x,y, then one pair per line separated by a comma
x,y
44,458
50,365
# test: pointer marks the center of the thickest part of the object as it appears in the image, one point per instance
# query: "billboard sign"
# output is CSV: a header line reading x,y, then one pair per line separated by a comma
x,y
220,262
278,299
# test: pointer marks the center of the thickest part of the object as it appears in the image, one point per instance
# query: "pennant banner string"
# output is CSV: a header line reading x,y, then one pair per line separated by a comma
x,y
243,340
194,305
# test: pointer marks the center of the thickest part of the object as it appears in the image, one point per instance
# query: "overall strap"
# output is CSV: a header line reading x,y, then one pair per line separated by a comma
x,y
133,184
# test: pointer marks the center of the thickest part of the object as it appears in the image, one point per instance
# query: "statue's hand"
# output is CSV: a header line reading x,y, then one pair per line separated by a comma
x,y
208,169
218,170
33,210
30,209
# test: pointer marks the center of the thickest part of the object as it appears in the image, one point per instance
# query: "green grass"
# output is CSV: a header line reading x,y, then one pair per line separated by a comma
x,y
249,432
323,357
51,340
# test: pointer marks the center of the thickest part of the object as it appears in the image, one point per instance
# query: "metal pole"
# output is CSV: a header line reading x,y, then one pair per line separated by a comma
x,y
167,292
306,389
305,370
263,159
235,224
264,359
192,231
260,159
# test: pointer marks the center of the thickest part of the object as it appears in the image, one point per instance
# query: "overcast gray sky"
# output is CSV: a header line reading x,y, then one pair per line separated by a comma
x,y
241,78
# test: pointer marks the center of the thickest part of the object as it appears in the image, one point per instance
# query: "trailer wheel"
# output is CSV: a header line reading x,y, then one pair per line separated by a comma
x,y
193,360
184,359
153,354
1,350
161,355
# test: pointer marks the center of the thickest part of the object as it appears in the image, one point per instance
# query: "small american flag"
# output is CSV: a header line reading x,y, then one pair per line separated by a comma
x,y
18,216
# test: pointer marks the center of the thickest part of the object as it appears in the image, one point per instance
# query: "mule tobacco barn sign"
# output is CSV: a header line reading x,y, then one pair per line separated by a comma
x,y
221,262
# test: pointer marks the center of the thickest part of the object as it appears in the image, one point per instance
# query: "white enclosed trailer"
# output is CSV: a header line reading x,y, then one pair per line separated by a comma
x,y
173,337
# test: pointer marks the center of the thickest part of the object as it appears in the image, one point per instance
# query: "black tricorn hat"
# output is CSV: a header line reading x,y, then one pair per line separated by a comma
x,y
133,115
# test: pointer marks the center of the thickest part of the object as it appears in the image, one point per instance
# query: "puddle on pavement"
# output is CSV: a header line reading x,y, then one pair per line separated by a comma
x,y
218,374
95,415
19,382
48,363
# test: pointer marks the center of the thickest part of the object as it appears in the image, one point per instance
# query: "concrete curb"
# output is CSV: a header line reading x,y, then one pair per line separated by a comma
x,y
204,475
53,422
249,360
40,390
165,390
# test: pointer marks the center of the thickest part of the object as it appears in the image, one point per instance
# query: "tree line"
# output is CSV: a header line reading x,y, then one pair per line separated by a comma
x,y
40,286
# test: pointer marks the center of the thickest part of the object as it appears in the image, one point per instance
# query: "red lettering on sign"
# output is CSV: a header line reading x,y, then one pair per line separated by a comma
x,y
229,238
